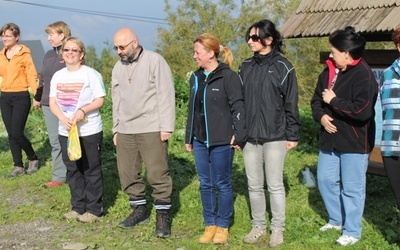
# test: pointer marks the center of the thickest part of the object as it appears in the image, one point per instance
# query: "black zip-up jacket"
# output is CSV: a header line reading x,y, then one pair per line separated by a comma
x,y
218,113
52,63
352,109
271,97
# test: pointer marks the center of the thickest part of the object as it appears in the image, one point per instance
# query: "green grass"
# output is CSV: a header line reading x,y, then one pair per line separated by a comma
x,y
23,201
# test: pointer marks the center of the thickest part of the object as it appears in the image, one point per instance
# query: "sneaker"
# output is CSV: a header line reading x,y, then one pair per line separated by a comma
x,y
163,225
16,171
71,215
221,235
53,184
208,235
346,240
330,226
138,216
276,237
88,217
255,233
33,167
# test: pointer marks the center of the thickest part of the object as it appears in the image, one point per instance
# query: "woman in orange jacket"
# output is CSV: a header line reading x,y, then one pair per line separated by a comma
x,y
19,74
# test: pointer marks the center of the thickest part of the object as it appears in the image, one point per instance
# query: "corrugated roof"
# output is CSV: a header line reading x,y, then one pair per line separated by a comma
x,y
37,52
314,18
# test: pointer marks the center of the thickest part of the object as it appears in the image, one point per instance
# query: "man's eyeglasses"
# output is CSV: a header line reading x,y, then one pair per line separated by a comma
x,y
254,38
122,47
72,50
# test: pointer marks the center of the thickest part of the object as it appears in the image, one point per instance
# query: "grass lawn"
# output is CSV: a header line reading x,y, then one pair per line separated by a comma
x,y
31,216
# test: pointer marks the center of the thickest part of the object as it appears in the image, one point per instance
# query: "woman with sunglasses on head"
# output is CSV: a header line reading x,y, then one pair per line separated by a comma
x,y
272,123
56,33
19,75
76,94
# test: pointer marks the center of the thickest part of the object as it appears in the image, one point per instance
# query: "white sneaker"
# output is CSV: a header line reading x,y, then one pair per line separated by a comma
x,y
346,240
255,233
330,226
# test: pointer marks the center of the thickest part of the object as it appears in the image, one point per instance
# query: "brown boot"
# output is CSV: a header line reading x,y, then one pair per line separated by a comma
x,y
221,236
208,235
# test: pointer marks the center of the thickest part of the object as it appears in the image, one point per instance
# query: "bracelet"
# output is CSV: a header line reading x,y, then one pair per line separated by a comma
x,y
84,113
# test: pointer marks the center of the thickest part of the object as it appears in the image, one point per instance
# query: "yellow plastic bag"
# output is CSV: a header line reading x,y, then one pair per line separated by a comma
x,y
73,144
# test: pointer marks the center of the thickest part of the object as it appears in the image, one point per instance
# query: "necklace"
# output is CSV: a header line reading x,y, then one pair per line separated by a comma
x,y
133,70
134,65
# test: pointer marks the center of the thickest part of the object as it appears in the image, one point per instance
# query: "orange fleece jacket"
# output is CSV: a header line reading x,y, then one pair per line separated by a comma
x,y
18,73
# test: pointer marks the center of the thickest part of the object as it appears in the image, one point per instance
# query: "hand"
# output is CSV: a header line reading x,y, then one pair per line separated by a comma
x,y
237,147
328,95
79,116
115,139
36,104
189,147
291,144
165,135
66,122
326,122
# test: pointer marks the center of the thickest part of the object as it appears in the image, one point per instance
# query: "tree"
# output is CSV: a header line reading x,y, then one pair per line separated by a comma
x,y
222,18
91,59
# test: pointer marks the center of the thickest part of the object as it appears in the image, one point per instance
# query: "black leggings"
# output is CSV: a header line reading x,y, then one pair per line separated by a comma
x,y
392,167
15,108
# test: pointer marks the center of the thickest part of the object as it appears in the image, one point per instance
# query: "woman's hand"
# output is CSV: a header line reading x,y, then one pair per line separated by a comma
x,y
79,116
66,122
36,104
189,147
237,147
328,95
326,122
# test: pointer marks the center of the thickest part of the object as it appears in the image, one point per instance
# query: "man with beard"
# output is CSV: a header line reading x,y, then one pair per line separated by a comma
x,y
143,99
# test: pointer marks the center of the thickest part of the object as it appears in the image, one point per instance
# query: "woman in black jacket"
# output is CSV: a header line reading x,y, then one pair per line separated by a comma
x,y
215,127
272,124
343,102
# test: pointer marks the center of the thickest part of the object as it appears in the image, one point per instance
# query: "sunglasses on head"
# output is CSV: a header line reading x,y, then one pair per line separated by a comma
x,y
122,47
72,50
254,38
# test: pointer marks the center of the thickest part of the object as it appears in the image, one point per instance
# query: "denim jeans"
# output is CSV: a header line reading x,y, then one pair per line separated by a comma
x,y
214,168
266,162
341,180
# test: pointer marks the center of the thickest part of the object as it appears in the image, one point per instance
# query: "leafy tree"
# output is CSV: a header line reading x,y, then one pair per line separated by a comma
x,y
222,18
91,59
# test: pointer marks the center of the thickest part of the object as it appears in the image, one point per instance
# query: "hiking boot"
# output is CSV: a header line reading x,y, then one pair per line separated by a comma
x,y
71,215
16,171
163,225
276,237
138,216
255,233
33,167
221,235
330,226
53,184
346,240
208,235
88,217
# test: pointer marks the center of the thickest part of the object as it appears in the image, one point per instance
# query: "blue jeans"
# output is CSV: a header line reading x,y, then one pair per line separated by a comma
x,y
341,181
214,168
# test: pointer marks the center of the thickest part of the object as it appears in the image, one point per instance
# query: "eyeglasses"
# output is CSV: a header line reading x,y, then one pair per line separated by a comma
x,y
254,38
122,47
72,50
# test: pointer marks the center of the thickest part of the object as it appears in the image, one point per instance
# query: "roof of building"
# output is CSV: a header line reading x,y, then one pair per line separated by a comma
x,y
37,52
374,19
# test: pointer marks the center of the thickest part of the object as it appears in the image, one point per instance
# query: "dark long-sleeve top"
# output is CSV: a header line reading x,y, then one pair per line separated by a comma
x,y
352,109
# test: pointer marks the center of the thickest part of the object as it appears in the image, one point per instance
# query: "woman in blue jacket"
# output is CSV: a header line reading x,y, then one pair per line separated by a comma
x,y
215,127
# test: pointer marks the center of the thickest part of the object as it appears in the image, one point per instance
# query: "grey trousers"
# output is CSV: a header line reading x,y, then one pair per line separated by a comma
x,y
59,168
266,160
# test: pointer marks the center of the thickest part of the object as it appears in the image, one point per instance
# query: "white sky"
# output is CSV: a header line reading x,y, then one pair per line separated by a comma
x,y
91,29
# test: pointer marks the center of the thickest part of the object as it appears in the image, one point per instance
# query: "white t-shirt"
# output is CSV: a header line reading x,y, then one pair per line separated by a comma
x,y
74,90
